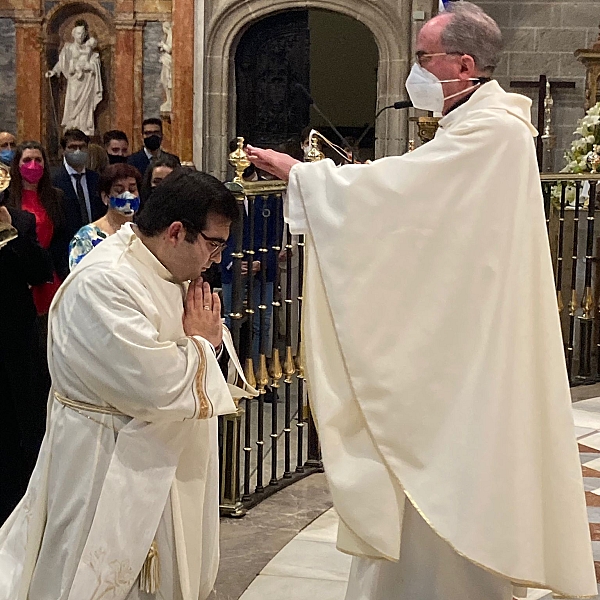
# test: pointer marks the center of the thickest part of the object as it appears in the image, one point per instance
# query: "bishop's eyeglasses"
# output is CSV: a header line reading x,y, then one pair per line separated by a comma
x,y
422,57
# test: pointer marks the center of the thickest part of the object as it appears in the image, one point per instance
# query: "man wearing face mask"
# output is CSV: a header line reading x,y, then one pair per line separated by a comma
x,y
80,185
116,145
8,144
152,134
438,376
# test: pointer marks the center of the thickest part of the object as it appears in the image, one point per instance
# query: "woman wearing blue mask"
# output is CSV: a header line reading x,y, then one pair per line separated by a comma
x,y
119,185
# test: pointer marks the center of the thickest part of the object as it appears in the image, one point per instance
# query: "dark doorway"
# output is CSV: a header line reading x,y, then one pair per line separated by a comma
x,y
332,56
272,58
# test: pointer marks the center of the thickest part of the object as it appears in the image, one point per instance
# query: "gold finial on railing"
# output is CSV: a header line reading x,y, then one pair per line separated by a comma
x,y
314,154
262,376
239,160
275,369
300,360
573,303
288,366
588,304
559,299
249,372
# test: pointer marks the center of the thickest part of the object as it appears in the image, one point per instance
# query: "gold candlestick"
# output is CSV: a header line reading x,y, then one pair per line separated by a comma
x,y
239,160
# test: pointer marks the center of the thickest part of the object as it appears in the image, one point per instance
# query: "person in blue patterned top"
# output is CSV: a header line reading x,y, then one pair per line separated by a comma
x,y
119,185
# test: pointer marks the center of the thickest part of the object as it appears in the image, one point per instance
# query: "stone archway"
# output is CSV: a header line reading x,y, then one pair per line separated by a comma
x,y
391,29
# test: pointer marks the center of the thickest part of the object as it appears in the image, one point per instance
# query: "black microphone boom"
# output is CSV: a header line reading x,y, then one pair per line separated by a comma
x,y
312,103
397,106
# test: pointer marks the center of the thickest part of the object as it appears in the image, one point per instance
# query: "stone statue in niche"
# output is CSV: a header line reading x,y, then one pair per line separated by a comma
x,y
166,60
80,64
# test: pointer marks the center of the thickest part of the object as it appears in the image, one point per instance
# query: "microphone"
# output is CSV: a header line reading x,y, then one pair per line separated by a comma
x,y
402,104
397,106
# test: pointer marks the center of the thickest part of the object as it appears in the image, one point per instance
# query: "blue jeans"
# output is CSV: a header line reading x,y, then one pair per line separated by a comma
x,y
227,300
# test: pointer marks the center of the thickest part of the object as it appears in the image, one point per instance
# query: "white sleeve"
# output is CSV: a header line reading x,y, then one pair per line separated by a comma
x,y
104,349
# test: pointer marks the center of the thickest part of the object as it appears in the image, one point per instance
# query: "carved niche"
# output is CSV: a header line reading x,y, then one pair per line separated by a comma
x,y
58,26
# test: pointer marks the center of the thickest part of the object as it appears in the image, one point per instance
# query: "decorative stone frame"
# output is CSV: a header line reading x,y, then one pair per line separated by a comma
x,y
49,27
214,105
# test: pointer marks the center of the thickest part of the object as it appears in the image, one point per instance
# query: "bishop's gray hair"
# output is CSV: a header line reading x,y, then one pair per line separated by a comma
x,y
471,31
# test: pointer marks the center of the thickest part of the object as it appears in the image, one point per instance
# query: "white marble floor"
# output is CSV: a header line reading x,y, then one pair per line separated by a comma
x,y
311,568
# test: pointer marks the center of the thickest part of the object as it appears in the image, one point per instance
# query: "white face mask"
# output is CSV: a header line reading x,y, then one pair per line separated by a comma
x,y
426,90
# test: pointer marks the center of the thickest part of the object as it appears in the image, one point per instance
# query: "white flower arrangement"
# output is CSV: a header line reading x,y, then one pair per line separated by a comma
x,y
588,130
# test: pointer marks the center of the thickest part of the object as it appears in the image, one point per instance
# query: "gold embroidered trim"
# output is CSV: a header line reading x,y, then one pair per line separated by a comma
x,y
205,404
94,408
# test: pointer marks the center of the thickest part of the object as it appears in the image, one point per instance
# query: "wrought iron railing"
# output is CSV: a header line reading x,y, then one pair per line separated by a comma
x,y
570,204
271,441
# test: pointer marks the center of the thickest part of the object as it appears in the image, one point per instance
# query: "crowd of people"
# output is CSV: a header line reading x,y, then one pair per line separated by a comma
x,y
61,212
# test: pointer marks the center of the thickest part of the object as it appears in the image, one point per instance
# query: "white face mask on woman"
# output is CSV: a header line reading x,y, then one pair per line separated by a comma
x,y
426,90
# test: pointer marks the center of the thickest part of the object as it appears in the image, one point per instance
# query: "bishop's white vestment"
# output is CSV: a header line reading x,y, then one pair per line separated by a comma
x,y
107,485
436,368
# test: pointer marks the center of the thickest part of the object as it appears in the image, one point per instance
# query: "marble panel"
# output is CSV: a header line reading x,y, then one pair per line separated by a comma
x,y
291,588
8,76
308,559
592,441
153,90
248,544
596,550
591,483
593,514
582,432
323,529
593,464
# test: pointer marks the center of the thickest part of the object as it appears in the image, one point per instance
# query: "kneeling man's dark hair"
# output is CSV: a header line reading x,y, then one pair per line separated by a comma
x,y
188,196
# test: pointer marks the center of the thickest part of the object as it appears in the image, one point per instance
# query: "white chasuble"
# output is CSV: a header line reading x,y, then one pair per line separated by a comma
x,y
434,355
107,486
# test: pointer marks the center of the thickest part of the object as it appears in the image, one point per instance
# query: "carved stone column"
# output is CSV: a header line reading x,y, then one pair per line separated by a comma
x,y
30,78
182,119
128,78
591,60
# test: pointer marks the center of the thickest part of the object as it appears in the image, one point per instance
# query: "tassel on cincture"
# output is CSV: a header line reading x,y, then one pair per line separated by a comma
x,y
150,573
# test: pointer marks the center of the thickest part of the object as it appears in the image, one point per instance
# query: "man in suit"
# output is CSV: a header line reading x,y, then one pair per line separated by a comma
x,y
23,263
152,133
80,185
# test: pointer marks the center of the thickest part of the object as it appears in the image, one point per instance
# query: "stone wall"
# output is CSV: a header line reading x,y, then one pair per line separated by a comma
x,y
153,90
540,38
8,76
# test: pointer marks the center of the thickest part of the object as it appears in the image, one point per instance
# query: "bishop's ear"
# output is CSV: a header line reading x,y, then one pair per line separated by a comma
x,y
468,68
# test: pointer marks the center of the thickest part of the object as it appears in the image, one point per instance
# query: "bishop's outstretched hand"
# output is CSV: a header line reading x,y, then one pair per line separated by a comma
x,y
276,163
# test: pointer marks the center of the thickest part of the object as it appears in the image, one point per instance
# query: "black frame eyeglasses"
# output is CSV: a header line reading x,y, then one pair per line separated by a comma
x,y
217,245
